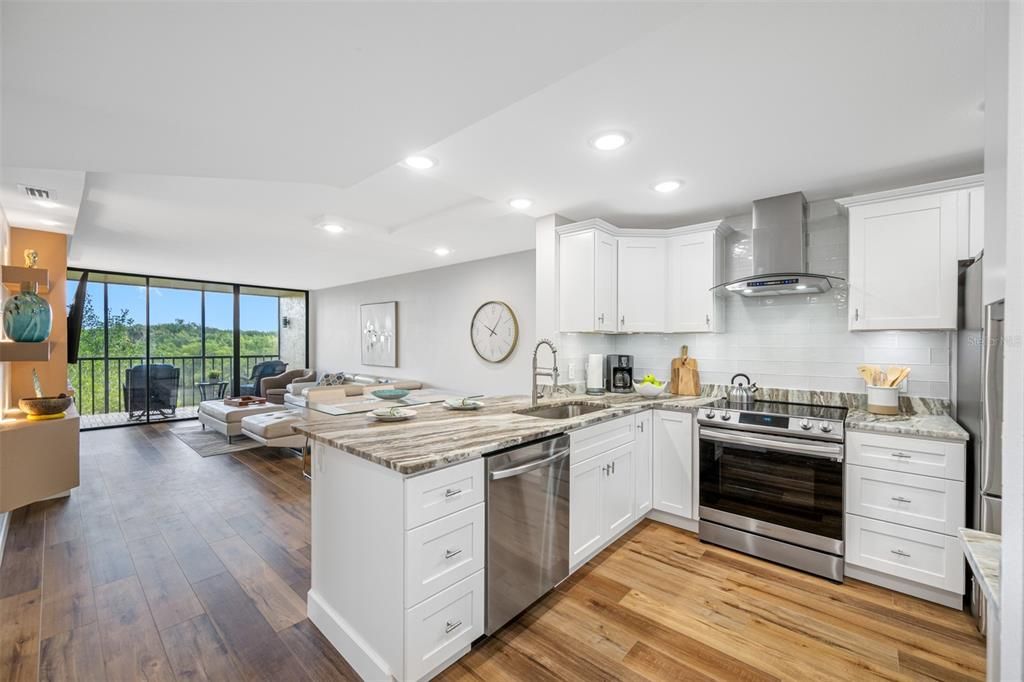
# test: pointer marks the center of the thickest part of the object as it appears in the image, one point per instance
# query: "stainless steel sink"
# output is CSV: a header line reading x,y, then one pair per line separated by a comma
x,y
562,411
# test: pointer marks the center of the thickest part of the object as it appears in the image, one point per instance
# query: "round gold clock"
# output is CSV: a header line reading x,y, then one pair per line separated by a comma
x,y
494,331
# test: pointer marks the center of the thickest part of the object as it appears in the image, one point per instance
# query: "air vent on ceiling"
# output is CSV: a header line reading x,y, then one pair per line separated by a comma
x,y
38,192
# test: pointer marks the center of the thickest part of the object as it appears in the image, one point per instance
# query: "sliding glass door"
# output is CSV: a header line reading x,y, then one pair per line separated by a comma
x,y
154,348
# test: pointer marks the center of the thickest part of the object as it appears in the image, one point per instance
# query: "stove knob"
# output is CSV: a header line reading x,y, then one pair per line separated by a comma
x,y
709,414
825,427
726,416
805,424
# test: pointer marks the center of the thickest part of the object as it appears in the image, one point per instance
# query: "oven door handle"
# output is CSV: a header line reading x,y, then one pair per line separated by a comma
x,y
787,445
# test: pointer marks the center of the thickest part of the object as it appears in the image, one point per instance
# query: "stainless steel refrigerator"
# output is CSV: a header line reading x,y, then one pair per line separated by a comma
x,y
979,406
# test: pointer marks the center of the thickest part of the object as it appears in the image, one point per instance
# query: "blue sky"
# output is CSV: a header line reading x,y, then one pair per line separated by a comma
x,y
257,313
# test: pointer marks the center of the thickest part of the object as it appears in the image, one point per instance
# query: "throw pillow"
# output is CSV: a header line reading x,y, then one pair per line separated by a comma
x,y
331,379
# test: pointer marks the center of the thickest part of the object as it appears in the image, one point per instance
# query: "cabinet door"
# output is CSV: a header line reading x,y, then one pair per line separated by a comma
x,y
642,284
975,221
605,278
644,455
576,310
585,519
691,274
619,491
673,463
903,265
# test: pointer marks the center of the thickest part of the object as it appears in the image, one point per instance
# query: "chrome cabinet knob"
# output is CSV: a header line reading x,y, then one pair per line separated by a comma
x,y
805,424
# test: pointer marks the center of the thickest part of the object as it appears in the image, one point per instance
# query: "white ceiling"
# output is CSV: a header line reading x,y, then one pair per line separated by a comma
x,y
212,136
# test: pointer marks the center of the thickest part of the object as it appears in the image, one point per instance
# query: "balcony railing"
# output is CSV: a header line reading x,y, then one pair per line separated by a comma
x,y
99,381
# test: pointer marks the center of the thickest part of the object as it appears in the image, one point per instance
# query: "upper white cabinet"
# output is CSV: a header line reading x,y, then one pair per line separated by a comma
x,y
904,247
615,280
692,271
642,291
972,214
587,290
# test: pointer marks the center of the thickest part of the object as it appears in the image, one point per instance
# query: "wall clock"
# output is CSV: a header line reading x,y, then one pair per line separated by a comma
x,y
494,331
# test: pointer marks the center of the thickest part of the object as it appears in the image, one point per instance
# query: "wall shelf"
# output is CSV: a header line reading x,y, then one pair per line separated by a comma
x,y
14,275
13,351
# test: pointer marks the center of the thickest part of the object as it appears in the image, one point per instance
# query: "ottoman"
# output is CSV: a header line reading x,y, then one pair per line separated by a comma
x,y
227,419
274,429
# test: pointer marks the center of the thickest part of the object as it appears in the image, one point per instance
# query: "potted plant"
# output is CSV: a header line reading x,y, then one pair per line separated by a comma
x,y
213,375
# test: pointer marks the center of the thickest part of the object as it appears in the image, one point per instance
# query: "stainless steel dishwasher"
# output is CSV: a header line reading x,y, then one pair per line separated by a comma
x,y
527,526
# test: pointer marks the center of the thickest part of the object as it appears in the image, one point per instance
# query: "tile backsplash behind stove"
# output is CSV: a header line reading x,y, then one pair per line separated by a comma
x,y
786,341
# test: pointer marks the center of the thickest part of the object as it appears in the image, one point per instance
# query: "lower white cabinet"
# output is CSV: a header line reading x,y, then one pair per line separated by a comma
x,y
915,555
925,502
601,502
673,463
444,625
644,462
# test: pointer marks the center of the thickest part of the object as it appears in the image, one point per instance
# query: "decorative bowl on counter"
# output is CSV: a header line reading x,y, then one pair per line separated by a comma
x,y
649,390
38,407
390,393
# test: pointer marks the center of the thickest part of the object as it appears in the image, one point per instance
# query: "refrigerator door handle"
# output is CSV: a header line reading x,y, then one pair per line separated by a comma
x,y
990,478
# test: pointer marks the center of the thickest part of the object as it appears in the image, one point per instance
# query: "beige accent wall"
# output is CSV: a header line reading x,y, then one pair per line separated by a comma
x,y
53,255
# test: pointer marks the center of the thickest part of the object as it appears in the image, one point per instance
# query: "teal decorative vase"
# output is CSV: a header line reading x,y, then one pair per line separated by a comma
x,y
27,316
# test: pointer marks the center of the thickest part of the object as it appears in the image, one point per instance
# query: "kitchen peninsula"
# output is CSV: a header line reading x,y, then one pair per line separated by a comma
x,y
399,586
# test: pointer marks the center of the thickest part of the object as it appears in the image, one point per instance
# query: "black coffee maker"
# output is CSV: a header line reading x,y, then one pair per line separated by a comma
x,y
618,373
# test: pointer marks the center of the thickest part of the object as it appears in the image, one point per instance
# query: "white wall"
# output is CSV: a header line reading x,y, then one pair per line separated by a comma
x,y
784,341
434,312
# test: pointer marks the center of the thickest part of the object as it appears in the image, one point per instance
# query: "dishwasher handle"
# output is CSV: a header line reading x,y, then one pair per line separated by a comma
x,y
529,466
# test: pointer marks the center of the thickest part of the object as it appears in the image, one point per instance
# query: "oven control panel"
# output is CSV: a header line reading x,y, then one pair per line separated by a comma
x,y
763,422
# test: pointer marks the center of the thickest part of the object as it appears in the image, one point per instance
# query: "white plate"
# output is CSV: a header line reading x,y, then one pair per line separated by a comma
x,y
462,404
392,414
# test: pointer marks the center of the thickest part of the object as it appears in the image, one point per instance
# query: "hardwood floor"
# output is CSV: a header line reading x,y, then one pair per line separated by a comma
x,y
165,565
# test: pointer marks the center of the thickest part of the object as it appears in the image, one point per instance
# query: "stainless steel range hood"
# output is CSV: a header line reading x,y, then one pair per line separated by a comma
x,y
780,251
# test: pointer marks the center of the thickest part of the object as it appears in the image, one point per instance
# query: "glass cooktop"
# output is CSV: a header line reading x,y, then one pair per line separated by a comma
x,y
785,409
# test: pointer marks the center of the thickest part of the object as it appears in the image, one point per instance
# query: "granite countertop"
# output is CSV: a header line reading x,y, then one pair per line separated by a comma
x,y
438,437
925,422
982,551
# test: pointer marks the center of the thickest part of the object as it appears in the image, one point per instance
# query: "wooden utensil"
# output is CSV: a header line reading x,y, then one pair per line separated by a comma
x,y
685,379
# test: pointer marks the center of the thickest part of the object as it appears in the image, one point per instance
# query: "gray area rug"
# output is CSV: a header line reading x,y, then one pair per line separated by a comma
x,y
209,443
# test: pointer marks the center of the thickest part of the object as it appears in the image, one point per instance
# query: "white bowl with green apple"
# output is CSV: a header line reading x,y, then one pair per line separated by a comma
x,y
649,386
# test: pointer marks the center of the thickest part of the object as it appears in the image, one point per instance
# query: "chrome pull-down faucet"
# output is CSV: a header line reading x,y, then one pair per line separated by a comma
x,y
544,371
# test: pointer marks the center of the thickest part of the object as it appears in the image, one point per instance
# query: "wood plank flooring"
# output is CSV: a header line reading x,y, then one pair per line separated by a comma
x,y
165,565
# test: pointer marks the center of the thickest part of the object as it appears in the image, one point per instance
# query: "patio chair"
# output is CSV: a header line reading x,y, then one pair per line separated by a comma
x,y
270,368
164,381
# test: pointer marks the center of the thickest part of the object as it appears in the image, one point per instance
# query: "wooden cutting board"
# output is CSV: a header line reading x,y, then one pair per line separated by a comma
x,y
685,378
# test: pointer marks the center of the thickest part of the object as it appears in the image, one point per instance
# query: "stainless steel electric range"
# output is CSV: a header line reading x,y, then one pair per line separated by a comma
x,y
771,482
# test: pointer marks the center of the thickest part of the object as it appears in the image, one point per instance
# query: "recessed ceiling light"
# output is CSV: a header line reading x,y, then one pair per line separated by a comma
x,y
521,204
748,291
47,204
49,223
419,162
333,228
442,251
801,287
666,186
609,142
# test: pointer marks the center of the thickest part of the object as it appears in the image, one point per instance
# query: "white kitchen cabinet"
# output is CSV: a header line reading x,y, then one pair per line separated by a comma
x,y
587,289
641,279
618,498
644,462
692,266
673,463
586,527
904,247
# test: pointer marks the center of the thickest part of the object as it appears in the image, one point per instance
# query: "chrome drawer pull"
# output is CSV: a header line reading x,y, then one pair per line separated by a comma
x,y
899,552
449,626
900,499
452,492
449,553
613,467
900,455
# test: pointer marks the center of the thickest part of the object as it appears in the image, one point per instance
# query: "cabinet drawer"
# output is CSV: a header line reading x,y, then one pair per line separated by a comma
x,y
443,552
443,625
443,492
943,459
917,555
600,438
925,502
